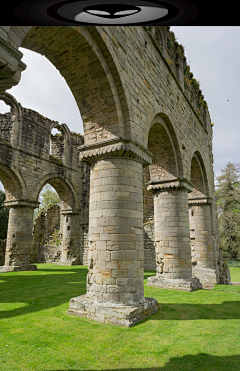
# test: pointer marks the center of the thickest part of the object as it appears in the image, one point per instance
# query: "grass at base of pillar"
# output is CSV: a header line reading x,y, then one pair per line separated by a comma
x,y
193,331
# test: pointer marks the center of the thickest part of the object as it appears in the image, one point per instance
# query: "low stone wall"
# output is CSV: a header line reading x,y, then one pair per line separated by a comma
x,y
2,251
149,246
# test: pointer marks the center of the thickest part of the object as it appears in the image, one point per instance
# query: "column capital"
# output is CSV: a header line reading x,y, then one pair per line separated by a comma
x,y
70,212
174,184
200,201
22,203
118,147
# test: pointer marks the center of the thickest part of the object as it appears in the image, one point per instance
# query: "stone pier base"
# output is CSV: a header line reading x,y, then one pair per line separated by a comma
x,y
207,276
177,284
115,314
17,268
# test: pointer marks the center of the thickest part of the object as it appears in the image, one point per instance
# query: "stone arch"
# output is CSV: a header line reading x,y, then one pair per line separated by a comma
x,y
163,144
11,133
14,185
61,143
198,176
63,187
85,58
166,161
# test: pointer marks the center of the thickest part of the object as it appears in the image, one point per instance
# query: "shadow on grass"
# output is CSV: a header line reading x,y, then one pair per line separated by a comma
x,y
198,362
40,291
43,289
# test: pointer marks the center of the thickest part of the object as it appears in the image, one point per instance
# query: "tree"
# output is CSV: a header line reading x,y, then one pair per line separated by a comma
x,y
48,196
228,208
4,212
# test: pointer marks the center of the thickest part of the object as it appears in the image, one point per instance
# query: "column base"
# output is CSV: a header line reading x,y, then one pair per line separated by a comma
x,y
207,276
176,284
115,314
17,268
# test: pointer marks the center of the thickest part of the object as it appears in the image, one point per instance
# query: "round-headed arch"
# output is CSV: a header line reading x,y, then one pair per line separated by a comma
x,y
13,183
198,175
63,187
164,146
86,59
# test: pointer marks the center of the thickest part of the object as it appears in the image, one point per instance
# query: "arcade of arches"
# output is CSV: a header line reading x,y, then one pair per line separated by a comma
x,y
137,190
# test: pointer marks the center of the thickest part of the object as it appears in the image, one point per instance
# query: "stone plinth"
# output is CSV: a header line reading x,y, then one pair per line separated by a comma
x,y
172,235
203,262
115,314
115,291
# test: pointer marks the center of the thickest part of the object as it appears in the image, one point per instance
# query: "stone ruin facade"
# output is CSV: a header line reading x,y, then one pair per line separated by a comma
x,y
137,187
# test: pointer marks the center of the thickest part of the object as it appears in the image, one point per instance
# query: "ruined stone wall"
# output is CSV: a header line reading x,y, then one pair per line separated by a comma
x,y
46,239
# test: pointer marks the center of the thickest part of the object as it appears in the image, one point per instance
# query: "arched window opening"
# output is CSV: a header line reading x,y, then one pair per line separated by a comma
x,y
56,144
4,108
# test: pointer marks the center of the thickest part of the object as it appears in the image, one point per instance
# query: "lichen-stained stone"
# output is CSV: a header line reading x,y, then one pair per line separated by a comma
x,y
116,256
172,235
204,265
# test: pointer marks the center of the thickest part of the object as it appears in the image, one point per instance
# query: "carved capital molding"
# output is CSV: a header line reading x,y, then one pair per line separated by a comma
x,y
22,203
119,147
70,212
174,184
200,201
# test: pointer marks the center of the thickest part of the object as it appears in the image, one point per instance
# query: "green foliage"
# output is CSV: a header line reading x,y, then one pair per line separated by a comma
x,y
228,208
4,212
48,196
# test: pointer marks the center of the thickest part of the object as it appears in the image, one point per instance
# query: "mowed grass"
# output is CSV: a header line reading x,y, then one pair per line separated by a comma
x,y
197,331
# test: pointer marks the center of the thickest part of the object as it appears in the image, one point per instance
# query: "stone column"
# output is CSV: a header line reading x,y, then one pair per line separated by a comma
x,y
172,235
203,260
115,292
19,236
70,244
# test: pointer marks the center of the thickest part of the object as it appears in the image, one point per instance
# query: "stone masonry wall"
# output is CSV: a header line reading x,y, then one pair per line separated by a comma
x,y
46,247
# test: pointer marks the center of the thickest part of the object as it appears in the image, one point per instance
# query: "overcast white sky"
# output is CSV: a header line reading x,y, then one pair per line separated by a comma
x,y
213,54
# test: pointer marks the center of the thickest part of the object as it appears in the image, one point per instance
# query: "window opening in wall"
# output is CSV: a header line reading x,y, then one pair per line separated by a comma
x,y
68,228
192,212
67,219
4,108
53,132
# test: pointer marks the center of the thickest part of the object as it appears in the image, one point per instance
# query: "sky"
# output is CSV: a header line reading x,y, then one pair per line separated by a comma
x,y
213,54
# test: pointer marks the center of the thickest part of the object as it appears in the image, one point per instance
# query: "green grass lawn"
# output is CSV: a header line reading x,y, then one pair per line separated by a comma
x,y
197,331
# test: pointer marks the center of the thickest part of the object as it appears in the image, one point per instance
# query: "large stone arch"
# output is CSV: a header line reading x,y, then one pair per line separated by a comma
x,y
63,187
198,175
86,60
14,185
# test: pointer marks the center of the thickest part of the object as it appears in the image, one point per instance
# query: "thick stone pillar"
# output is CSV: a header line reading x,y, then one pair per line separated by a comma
x,y
203,260
115,292
172,235
70,245
19,236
